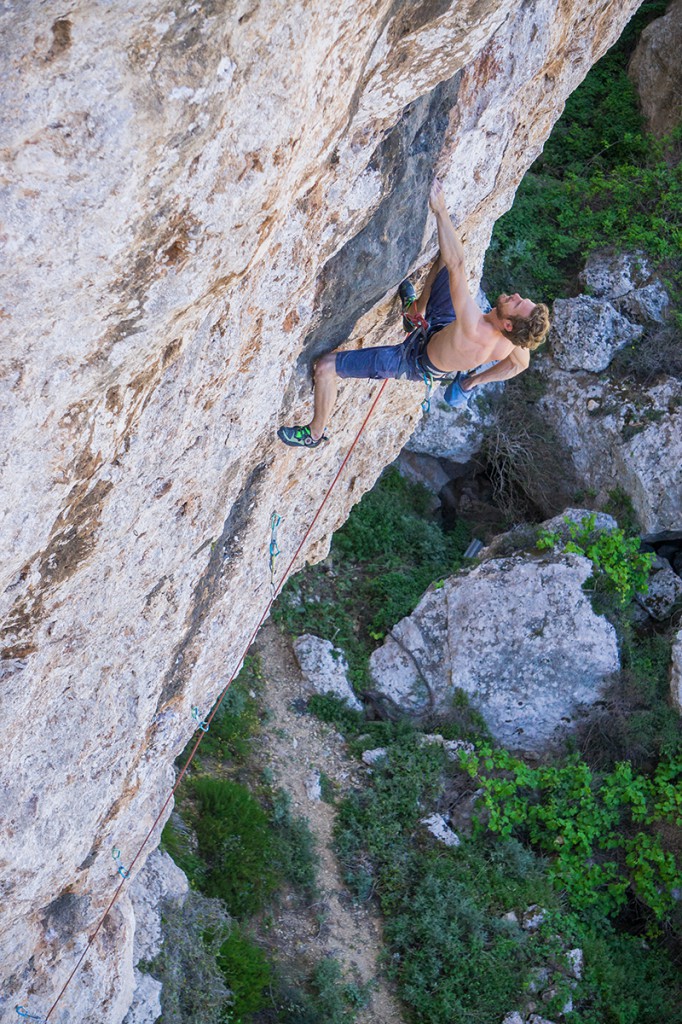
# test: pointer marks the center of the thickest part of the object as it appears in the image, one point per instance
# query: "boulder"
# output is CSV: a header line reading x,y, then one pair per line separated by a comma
x,y
610,275
603,522
664,592
622,437
656,72
627,281
518,635
325,668
437,825
455,434
586,333
676,672
420,468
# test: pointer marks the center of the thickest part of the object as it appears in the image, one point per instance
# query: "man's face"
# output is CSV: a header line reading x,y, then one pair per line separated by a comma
x,y
513,305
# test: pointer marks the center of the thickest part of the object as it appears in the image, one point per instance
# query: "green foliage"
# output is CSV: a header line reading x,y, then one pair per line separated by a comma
x,y
237,720
323,998
335,711
625,980
194,989
382,560
247,972
293,850
619,505
236,843
619,566
600,182
450,952
601,832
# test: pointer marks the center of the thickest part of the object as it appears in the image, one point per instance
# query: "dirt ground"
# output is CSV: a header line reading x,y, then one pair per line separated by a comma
x,y
297,747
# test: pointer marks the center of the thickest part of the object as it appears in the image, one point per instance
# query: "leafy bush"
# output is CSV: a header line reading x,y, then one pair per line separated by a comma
x,y
601,832
236,843
382,560
237,720
321,998
247,972
620,567
600,182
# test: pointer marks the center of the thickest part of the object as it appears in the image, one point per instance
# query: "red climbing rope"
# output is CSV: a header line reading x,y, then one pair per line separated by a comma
x,y
202,731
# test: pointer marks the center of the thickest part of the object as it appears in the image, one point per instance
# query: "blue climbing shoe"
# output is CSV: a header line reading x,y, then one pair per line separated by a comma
x,y
408,297
455,395
299,437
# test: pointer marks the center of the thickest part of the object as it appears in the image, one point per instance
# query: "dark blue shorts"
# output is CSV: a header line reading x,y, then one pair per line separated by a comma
x,y
406,361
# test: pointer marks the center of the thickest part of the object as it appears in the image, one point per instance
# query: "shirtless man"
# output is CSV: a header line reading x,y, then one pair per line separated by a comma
x,y
459,338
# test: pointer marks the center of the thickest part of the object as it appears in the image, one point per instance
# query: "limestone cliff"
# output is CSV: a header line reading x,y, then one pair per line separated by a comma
x,y
198,199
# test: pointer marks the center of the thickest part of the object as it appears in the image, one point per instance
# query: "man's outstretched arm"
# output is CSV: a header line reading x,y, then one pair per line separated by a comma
x,y
452,254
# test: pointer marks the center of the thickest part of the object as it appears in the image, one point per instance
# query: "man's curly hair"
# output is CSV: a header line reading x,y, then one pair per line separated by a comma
x,y
529,331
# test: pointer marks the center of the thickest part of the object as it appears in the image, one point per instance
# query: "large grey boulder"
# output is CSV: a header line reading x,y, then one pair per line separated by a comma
x,y
656,71
621,437
324,667
455,434
518,635
628,282
586,333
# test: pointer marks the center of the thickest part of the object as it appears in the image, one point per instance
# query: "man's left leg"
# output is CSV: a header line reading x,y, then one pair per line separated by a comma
x,y
324,396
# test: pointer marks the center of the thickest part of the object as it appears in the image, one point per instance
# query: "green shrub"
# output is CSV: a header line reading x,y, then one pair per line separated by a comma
x,y
625,980
381,562
293,845
247,972
235,841
619,565
321,998
602,833
237,720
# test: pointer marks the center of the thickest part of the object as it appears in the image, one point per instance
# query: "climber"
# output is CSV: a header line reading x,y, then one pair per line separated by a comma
x,y
457,338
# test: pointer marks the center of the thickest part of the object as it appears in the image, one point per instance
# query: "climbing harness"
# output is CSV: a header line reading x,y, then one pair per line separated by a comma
x,y
202,732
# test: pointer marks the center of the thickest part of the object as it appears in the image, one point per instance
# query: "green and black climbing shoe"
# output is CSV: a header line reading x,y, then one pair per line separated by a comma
x,y
408,297
299,437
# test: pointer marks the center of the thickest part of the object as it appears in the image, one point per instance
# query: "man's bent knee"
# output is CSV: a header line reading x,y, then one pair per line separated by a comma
x,y
325,367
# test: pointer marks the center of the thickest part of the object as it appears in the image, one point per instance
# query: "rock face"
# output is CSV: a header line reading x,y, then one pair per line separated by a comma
x,y
622,437
325,668
655,70
518,635
197,200
627,281
676,673
586,333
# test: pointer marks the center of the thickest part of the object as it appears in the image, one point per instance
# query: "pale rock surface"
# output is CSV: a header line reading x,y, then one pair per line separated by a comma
x,y
632,439
195,205
576,959
513,1018
533,917
423,469
146,1005
665,591
610,275
628,282
324,668
676,672
455,434
159,880
603,522
437,825
586,333
518,635
371,757
655,70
